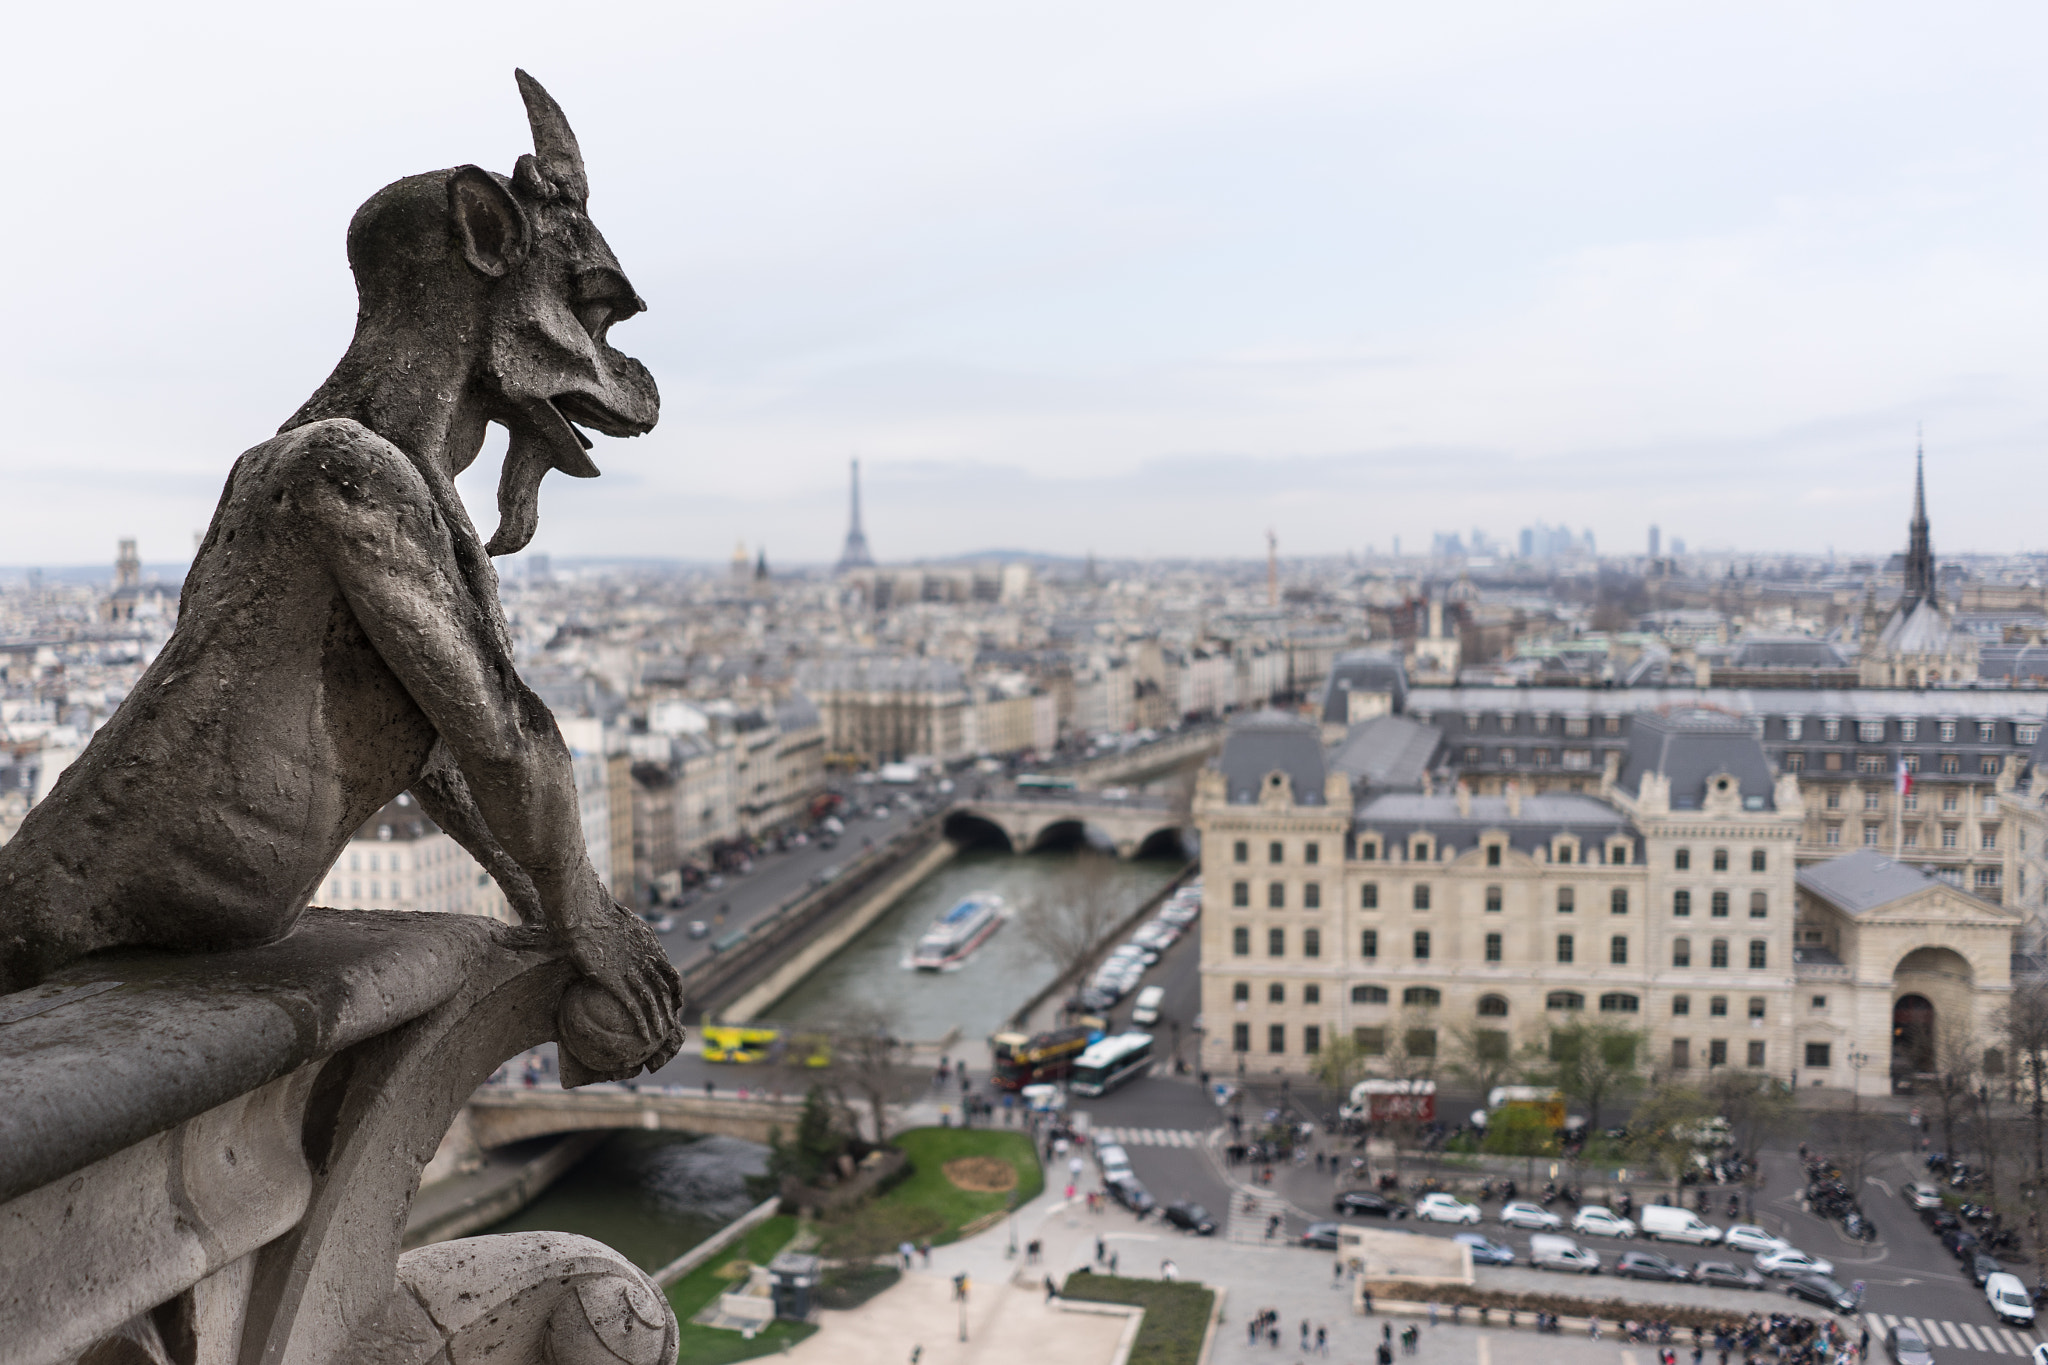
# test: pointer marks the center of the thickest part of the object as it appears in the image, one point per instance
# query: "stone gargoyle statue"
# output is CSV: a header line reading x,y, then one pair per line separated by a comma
x,y
340,640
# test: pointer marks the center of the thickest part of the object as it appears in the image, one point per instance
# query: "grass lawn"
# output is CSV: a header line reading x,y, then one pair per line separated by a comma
x,y
715,1345
928,1198
1176,1314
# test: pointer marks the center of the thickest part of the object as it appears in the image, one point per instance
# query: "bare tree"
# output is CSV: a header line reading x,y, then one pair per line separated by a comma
x,y
2023,1025
1590,1063
867,1055
1956,1062
1075,911
1481,1057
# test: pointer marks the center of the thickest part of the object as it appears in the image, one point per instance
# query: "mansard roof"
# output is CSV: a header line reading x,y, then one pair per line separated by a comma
x,y
1687,746
1539,820
1263,742
1387,752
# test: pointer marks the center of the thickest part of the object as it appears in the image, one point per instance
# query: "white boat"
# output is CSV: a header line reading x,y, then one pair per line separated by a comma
x,y
958,932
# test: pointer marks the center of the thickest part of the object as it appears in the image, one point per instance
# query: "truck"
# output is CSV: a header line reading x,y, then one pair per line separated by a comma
x,y
1378,1101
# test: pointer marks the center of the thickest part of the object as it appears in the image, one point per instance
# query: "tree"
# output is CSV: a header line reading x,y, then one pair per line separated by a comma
x,y
1758,1108
1956,1060
1481,1057
809,1153
865,1055
1519,1130
1075,911
2023,1026
1590,1063
1665,1129
1341,1064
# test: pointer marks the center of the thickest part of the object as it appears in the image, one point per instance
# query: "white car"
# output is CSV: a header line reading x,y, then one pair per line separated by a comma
x,y
1444,1208
1600,1222
1922,1196
1043,1099
2009,1299
1751,1238
1792,1261
1534,1217
1114,1161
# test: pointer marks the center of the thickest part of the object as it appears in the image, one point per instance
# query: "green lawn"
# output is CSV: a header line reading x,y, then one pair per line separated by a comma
x,y
1176,1313
715,1345
927,1199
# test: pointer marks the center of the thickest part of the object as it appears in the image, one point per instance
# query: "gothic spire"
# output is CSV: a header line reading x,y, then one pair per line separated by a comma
x,y
1920,585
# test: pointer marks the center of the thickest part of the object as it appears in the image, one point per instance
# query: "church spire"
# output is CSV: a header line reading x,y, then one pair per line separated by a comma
x,y
1920,585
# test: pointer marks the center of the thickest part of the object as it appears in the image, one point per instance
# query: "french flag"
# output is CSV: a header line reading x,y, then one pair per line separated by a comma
x,y
1904,780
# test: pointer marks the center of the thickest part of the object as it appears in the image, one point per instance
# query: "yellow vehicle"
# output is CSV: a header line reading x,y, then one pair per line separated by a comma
x,y
763,1043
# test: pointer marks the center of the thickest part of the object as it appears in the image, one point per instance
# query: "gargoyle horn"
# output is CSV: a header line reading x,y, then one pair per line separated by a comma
x,y
556,155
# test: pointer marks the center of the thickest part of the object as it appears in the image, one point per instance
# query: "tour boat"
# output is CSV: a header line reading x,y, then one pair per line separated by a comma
x,y
958,932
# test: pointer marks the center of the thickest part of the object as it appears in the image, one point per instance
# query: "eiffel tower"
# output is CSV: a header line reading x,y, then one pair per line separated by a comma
x,y
856,554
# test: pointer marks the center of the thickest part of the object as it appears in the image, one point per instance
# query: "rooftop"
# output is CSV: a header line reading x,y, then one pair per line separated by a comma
x,y
1863,881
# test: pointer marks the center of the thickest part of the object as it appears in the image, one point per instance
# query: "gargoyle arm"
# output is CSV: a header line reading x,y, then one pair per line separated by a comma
x,y
444,795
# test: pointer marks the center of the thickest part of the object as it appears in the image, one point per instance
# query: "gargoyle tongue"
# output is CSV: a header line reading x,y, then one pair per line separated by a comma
x,y
542,439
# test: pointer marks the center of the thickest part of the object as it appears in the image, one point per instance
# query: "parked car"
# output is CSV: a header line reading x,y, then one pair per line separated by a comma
x,y
1189,1218
1648,1265
1726,1275
1982,1268
1751,1238
2009,1299
1370,1204
1548,1251
1961,1243
1146,1011
1662,1222
1486,1251
1522,1214
1321,1236
1114,1161
1905,1347
1132,1194
1921,1196
1601,1222
1940,1220
1792,1261
1445,1208
1823,1291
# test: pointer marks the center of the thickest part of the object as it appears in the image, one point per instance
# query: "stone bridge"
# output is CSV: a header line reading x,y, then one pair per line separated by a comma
x,y
498,1114
1138,826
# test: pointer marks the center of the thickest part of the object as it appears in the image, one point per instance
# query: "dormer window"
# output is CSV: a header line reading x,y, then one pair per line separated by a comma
x,y
1419,850
1368,851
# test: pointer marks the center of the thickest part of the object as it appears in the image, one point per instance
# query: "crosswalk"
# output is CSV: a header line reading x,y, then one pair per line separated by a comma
x,y
1153,1137
1250,1214
1968,1336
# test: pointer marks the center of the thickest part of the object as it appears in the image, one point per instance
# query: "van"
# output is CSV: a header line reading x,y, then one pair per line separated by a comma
x,y
1548,1251
1661,1223
1146,1011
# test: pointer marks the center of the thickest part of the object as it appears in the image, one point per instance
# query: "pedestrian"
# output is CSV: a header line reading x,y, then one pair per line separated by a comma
x,y
924,1249
1863,1344
1386,1356
1432,1312
1368,1302
1074,1168
1251,1332
1322,1341
1336,1273
1387,1333
1304,1334
1168,1270
1050,1292
905,1251
1070,1191
916,1354
1112,1263
1099,1248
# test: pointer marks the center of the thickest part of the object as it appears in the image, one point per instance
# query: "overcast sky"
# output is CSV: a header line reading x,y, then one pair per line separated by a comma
x,y
1145,278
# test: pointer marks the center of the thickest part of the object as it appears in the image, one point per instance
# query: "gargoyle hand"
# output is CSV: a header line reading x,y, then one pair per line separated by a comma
x,y
615,949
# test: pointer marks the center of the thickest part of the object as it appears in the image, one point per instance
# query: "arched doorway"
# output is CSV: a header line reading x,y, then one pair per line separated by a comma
x,y
1912,1035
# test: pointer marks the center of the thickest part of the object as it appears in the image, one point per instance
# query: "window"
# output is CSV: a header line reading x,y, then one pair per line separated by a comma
x,y
1987,878
1681,953
1870,793
1241,941
1420,1042
1419,851
1241,894
1240,1037
1831,728
1493,947
1311,994
1720,860
1564,852
1276,993
1834,797
1241,852
1493,855
1718,1007
1564,1000
1720,905
1756,860
1617,901
1759,905
1369,943
1951,763
1756,1054
1988,765
1276,852
1427,997
1368,851
1987,732
1948,836
1948,801
1371,1041
1681,1054
1567,900
1276,1037
1681,1004
1312,896
1564,947
1422,895
1311,853
1493,899
1717,1053
1369,896
1617,951
1756,1007
1870,836
1276,895
1820,1002
1422,945
1368,995
1311,1039
1619,1003
1311,943
1912,836
1276,943
1681,903
1870,731
1833,835
1795,726
1795,762
1493,1007
1241,993
1987,838
1682,860
1818,1056
1718,954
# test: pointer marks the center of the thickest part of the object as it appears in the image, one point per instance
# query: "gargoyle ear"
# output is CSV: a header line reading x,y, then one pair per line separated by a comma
x,y
489,220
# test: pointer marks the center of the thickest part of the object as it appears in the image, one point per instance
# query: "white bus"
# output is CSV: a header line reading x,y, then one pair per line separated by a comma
x,y
1110,1062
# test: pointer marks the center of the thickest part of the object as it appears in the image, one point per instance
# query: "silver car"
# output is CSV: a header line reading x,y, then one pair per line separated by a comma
x,y
1534,1217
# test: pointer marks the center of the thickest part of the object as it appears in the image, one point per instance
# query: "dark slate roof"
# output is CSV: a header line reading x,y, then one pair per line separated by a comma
x,y
2014,662
1794,652
1863,881
1262,742
1362,670
1689,745
1541,819
1387,752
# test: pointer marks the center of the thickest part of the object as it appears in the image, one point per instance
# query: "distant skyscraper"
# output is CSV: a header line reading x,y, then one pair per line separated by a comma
x,y
856,554
1656,540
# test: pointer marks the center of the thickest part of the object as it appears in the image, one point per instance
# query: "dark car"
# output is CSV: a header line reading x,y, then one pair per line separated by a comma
x,y
1132,1195
1370,1204
1982,1268
1486,1251
1189,1217
1941,1220
1906,1347
1648,1265
1960,1244
1726,1275
1321,1236
1821,1290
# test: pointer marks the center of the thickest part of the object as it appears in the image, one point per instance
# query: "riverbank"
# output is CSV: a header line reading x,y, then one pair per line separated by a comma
x,y
508,1180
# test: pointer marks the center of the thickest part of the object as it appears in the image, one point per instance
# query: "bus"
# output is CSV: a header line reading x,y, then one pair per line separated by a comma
x,y
1111,1062
1049,1056
1045,782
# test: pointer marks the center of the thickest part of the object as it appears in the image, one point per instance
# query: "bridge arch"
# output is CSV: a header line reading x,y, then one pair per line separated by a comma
x,y
1071,833
970,829
1170,842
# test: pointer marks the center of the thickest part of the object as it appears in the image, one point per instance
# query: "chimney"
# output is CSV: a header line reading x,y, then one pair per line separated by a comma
x,y
1514,795
1464,795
